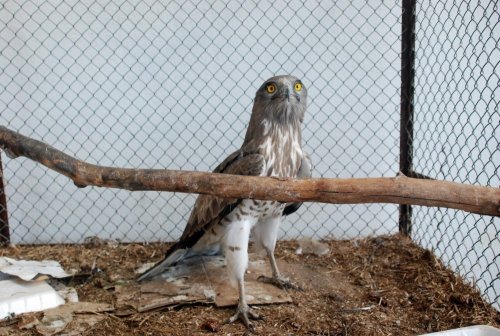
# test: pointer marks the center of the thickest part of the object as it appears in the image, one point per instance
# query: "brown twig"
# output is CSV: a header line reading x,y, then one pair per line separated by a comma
x,y
398,190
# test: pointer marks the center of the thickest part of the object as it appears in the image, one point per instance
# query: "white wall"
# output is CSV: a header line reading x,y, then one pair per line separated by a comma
x,y
156,84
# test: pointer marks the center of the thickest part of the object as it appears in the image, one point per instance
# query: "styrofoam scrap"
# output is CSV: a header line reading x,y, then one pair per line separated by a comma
x,y
144,267
311,246
478,330
51,325
209,294
266,298
30,269
27,322
69,294
18,296
82,314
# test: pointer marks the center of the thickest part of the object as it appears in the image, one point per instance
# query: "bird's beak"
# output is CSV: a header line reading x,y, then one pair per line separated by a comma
x,y
284,94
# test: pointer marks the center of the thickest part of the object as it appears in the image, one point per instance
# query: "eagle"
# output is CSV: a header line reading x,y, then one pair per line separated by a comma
x,y
272,147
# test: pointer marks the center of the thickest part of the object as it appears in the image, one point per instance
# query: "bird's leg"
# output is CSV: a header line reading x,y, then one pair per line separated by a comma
x,y
274,266
236,250
243,311
265,234
277,279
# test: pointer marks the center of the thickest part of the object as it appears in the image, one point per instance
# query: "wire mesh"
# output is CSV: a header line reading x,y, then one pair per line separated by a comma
x,y
156,84
457,131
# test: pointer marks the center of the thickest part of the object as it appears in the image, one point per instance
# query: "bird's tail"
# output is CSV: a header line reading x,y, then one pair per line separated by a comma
x,y
170,260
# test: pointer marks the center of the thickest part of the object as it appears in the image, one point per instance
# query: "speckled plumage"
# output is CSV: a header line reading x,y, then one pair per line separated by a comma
x,y
272,147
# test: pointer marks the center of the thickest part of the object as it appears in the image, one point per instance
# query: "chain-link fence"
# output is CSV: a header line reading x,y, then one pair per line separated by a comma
x,y
155,84
457,130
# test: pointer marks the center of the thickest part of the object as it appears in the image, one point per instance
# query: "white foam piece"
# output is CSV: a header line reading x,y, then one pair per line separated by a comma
x,y
479,330
18,296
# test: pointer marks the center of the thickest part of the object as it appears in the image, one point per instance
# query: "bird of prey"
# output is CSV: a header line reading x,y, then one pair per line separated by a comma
x,y
272,147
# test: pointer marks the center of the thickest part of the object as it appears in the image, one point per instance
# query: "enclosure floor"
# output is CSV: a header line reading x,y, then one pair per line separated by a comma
x,y
374,286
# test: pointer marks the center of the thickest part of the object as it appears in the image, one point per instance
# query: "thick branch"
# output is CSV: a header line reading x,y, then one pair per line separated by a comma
x,y
398,190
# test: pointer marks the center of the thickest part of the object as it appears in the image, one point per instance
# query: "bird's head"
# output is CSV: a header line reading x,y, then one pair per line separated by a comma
x,y
279,105
282,99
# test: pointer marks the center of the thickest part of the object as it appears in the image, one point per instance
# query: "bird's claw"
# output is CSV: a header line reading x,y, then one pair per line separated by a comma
x,y
280,282
245,313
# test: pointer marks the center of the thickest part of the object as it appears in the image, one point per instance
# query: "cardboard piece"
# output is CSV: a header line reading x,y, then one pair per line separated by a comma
x,y
199,279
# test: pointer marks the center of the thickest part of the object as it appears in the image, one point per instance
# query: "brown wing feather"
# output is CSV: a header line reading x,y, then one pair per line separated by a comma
x,y
209,209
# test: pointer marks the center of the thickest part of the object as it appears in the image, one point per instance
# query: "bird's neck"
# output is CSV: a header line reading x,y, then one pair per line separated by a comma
x,y
281,146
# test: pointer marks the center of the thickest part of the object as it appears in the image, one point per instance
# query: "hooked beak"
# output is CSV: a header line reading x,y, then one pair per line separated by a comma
x,y
285,94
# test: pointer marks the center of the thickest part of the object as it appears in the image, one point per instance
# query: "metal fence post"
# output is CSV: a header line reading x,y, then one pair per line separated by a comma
x,y
407,90
4,218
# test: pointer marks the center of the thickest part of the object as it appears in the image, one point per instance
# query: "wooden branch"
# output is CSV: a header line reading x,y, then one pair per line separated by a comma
x,y
398,190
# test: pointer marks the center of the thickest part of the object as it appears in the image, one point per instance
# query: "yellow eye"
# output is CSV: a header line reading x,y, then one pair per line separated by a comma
x,y
271,88
298,86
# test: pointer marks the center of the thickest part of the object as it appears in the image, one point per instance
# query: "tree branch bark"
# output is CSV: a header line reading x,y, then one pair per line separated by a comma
x,y
398,190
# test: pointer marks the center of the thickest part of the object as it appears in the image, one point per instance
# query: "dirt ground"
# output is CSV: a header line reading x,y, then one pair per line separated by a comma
x,y
375,286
